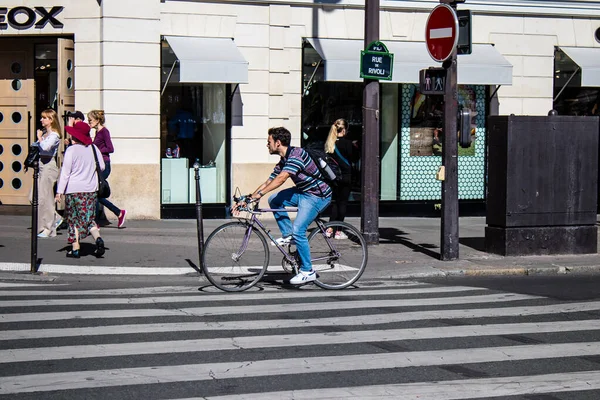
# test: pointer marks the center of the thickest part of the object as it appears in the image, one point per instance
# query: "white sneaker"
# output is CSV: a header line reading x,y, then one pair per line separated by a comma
x,y
304,277
282,241
340,235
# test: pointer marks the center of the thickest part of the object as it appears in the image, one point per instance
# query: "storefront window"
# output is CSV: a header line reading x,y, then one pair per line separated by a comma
x,y
325,102
427,120
193,129
570,98
421,135
411,132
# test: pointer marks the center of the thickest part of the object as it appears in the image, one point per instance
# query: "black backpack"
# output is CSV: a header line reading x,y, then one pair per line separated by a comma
x,y
331,172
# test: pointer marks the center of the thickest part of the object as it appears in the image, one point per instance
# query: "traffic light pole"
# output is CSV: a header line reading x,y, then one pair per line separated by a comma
x,y
449,231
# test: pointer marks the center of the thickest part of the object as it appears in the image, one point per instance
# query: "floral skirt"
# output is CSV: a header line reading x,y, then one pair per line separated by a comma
x,y
80,209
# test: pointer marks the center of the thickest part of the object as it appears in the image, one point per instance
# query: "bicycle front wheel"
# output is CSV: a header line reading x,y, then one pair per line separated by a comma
x,y
339,260
232,260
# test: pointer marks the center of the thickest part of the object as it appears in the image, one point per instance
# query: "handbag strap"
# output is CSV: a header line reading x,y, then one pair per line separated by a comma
x,y
97,164
341,157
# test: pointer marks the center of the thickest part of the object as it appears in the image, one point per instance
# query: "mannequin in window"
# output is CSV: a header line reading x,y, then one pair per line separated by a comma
x,y
183,126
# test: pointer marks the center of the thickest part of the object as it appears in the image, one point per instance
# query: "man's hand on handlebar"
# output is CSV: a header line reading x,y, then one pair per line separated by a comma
x,y
242,203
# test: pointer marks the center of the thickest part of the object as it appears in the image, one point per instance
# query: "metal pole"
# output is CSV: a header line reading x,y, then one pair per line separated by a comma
x,y
34,218
199,223
449,232
370,135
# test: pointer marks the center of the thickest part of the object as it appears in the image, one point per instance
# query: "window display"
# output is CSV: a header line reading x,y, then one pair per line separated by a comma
x,y
193,129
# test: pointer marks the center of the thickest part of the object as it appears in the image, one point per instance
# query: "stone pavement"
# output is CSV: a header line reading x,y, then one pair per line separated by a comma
x,y
409,248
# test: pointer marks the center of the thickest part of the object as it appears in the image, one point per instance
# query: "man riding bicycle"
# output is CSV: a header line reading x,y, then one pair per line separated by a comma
x,y
311,195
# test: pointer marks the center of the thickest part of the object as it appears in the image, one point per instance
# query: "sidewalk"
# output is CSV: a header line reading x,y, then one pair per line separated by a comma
x,y
409,248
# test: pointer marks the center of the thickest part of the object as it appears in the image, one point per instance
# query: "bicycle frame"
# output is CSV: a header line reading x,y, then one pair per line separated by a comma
x,y
289,258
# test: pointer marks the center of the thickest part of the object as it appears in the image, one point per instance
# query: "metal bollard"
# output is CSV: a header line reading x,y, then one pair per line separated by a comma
x,y
34,218
199,223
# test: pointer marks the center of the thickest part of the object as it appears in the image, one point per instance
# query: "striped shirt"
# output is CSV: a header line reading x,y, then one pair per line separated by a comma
x,y
300,165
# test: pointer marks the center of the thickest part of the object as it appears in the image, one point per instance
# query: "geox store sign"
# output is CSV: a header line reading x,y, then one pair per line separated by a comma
x,y
24,17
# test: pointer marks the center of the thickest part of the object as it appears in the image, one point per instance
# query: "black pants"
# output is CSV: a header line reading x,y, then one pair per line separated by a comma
x,y
341,193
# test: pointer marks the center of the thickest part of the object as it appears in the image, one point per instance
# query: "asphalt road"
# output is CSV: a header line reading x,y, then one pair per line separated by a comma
x,y
107,337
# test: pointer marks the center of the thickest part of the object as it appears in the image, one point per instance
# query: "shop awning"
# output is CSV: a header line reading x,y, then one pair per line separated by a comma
x,y
485,66
208,60
588,59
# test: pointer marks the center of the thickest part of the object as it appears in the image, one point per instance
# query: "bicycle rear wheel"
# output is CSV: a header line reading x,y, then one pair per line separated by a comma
x,y
339,260
229,263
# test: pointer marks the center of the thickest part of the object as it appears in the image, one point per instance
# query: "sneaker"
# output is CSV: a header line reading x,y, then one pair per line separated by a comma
x,y
44,234
58,222
282,241
340,235
304,277
62,226
329,232
122,218
99,252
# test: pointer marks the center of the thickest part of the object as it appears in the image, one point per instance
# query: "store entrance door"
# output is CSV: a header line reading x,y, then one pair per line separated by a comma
x,y
65,95
36,73
17,98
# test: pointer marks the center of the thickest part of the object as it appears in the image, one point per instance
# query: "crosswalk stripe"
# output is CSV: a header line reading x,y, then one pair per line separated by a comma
x,y
258,368
372,319
264,308
96,292
29,284
412,289
273,341
441,390
209,298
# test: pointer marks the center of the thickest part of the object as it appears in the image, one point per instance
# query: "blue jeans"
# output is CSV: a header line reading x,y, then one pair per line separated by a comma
x,y
309,206
104,202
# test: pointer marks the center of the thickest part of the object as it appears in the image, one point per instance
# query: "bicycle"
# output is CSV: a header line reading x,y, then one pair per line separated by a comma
x,y
236,254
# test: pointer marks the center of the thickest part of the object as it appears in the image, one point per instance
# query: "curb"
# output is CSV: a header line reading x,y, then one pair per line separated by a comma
x,y
176,271
515,271
96,270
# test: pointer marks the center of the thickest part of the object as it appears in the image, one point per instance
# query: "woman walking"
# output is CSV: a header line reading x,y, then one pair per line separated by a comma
x,y
103,142
343,151
79,182
48,140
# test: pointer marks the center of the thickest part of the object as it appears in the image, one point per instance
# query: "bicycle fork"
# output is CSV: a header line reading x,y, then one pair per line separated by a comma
x,y
236,256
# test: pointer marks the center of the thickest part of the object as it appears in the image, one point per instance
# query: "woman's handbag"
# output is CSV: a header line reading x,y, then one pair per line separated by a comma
x,y
32,157
103,187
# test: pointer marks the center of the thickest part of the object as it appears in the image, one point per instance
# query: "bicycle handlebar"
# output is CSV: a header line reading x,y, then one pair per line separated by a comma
x,y
248,201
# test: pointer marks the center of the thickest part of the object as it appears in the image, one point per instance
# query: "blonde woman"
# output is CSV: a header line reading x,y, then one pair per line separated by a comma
x,y
103,142
344,152
48,140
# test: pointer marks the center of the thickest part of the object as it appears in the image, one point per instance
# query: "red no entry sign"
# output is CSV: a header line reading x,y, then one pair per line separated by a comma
x,y
441,32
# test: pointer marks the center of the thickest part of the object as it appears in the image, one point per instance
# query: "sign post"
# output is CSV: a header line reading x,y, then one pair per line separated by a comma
x,y
441,37
369,172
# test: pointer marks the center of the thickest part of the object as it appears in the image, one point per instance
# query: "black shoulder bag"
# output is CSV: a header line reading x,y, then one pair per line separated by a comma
x,y
103,187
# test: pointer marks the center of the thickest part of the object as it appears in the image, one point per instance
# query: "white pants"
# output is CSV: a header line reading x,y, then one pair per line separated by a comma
x,y
47,215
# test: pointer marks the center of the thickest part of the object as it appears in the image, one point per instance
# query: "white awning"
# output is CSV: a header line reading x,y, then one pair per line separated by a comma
x,y
485,66
588,59
208,60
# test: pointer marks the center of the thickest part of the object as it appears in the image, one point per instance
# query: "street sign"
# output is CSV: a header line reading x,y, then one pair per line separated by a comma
x,y
432,81
376,62
441,32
